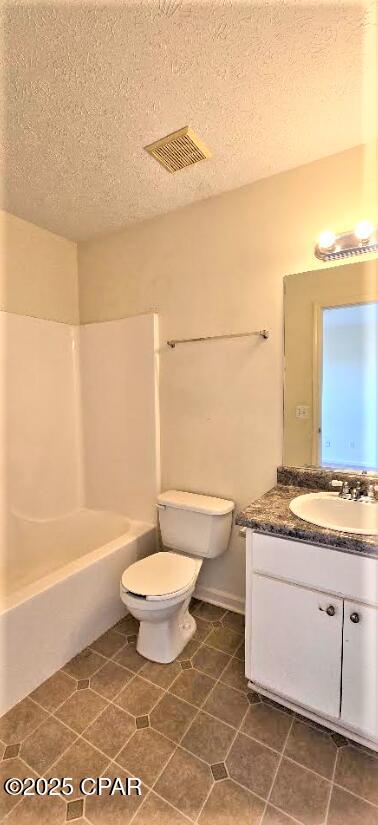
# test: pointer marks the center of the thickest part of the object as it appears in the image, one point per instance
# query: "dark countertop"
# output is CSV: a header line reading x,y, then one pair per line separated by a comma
x,y
270,514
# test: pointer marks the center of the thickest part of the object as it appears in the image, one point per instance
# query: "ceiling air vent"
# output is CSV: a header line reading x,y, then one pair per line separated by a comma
x,y
180,149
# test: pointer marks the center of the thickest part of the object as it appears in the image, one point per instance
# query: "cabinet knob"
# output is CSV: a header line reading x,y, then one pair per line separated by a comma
x,y
354,617
330,610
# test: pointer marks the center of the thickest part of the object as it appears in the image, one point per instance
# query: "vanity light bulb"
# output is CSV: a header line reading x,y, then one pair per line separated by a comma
x,y
327,240
364,230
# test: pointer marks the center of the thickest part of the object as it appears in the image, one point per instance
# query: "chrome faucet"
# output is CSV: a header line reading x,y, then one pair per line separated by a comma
x,y
356,493
359,494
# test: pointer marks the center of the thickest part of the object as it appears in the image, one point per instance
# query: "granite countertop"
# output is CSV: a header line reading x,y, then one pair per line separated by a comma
x,y
270,514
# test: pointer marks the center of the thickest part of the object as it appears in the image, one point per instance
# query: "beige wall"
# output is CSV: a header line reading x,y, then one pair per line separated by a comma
x,y
217,267
351,283
38,271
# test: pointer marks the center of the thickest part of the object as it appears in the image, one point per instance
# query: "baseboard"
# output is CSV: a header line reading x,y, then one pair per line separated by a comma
x,y
221,598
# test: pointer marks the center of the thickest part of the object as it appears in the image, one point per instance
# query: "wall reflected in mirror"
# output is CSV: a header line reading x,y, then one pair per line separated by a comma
x,y
331,367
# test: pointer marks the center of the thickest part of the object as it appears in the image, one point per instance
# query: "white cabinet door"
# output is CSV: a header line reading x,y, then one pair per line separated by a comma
x,y
359,706
296,645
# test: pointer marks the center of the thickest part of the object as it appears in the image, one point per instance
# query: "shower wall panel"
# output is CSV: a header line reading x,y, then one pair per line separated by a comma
x,y
40,417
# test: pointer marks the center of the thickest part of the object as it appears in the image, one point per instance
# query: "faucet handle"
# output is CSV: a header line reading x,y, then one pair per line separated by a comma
x,y
356,492
371,492
345,491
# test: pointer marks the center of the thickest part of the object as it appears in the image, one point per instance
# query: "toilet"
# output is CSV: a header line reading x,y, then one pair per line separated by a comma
x,y
157,589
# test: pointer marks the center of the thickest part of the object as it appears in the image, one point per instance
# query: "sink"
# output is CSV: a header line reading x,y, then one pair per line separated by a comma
x,y
329,510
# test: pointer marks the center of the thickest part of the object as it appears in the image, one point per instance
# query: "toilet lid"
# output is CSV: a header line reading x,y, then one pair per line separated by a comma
x,y
161,575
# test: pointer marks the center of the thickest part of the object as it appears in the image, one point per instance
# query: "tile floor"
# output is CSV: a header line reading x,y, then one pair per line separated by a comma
x,y
207,749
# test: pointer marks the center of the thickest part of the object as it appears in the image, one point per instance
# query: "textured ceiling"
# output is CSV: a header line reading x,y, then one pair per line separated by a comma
x,y
267,86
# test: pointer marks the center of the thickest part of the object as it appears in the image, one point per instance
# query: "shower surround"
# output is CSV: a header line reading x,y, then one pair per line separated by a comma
x,y
80,473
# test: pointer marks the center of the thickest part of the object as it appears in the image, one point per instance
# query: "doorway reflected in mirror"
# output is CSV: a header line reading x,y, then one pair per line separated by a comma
x,y
331,367
348,427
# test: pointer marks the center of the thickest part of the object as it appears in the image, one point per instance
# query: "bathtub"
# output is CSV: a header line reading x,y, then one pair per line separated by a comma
x,y
60,590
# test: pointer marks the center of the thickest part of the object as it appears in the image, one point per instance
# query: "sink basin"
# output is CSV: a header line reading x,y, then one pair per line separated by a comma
x,y
329,510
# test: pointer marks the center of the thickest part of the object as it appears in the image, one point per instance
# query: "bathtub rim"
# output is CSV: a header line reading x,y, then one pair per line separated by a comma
x,y
29,591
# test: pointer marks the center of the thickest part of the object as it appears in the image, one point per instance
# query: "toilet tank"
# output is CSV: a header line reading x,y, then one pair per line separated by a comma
x,y
195,524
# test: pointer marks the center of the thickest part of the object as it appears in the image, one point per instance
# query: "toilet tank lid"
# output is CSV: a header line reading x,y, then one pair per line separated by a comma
x,y
209,505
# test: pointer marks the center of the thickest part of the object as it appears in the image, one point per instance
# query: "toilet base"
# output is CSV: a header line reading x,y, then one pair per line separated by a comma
x,y
163,641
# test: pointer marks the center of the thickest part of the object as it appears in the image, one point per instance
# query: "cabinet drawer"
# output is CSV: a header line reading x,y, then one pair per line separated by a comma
x,y
323,568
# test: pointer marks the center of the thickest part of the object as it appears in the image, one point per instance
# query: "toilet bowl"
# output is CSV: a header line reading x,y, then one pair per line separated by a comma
x,y
157,590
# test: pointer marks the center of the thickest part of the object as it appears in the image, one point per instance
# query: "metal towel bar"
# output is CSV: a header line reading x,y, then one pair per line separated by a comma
x,y
264,333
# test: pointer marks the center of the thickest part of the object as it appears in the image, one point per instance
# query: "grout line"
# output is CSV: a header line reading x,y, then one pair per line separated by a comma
x,y
163,691
332,786
140,806
198,709
12,809
356,796
113,702
278,765
178,744
50,715
108,702
231,743
309,770
288,816
106,633
78,736
219,650
150,791
80,678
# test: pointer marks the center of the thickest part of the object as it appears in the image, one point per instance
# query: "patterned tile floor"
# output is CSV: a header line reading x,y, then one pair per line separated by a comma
x,y
208,751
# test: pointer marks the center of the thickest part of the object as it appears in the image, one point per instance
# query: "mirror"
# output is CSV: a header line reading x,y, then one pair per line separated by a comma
x,y
331,367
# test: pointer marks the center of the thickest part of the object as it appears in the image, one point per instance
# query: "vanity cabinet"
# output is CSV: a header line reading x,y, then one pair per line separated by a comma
x,y
312,631
359,704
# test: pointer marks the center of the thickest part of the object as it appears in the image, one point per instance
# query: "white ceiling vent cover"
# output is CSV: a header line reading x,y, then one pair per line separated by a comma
x,y
178,150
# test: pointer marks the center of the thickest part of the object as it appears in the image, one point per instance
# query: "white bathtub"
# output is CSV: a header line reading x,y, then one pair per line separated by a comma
x,y
60,590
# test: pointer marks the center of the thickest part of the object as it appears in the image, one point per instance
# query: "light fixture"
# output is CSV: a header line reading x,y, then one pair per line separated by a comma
x,y
332,247
327,240
363,231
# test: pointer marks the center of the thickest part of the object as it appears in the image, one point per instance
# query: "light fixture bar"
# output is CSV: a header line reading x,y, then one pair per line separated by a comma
x,y
347,245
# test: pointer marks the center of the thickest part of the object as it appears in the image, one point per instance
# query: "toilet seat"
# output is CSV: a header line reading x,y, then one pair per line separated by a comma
x,y
161,576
